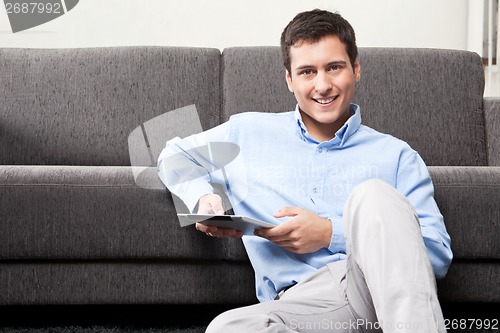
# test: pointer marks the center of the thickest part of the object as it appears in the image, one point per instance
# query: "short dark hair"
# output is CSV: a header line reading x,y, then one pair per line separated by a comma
x,y
313,25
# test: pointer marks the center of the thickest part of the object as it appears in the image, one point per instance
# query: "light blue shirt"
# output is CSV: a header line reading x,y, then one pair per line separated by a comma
x,y
280,164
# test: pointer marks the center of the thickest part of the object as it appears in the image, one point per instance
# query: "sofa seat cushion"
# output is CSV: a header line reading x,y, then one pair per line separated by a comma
x,y
468,198
68,212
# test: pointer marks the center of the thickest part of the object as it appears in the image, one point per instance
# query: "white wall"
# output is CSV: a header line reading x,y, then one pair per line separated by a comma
x,y
223,23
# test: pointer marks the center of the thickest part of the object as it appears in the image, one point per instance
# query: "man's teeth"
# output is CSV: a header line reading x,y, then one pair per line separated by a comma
x,y
325,101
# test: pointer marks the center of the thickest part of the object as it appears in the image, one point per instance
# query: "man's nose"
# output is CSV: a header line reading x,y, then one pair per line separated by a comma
x,y
323,84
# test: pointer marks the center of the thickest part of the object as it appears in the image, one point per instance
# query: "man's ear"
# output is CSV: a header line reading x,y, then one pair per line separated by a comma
x,y
288,78
357,70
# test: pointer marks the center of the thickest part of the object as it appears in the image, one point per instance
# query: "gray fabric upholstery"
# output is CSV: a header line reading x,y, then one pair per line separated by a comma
x,y
61,212
433,99
126,282
78,106
186,282
253,79
468,198
471,281
492,119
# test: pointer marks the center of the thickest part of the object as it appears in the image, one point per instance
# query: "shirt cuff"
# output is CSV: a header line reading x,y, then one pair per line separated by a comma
x,y
337,244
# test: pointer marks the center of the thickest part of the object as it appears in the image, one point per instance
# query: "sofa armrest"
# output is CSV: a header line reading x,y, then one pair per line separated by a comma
x,y
492,120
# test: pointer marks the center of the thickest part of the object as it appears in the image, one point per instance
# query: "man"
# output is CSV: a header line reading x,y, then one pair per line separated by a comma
x,y
359,239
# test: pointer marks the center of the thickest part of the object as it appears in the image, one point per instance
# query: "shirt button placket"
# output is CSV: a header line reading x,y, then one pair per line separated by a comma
x,y
318,173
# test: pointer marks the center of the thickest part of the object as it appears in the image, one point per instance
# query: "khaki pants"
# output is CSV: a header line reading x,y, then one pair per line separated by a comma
x,y
386,284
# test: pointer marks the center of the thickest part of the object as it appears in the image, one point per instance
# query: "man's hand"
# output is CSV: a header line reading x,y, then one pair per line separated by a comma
x,y
212,204
305,232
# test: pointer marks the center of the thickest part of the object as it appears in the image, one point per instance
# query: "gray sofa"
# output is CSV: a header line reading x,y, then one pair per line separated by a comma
x,y
76,227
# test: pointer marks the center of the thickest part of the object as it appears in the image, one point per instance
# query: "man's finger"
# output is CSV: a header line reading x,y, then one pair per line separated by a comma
x,y
206,228
278,231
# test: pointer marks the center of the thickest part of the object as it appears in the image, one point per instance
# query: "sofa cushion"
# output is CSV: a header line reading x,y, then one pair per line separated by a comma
x,y
253,79
78,106
433,99
58,212
90,213
468,198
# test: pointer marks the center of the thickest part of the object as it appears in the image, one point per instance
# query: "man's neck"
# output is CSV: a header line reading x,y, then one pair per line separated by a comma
x,y
319,131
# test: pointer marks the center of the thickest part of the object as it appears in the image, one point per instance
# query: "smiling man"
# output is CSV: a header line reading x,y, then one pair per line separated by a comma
x,y
359,239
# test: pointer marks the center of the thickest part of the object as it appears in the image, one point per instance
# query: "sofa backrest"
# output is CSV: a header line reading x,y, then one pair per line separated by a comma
x,y
78,106
433,99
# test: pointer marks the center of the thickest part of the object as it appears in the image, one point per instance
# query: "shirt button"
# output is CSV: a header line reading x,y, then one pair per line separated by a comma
x,y
320,150
315,190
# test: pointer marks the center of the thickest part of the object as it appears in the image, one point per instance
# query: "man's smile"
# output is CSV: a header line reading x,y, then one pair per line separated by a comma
x,y
325,100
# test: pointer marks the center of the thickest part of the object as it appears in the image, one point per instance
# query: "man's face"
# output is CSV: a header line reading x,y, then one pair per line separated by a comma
x,y
322,80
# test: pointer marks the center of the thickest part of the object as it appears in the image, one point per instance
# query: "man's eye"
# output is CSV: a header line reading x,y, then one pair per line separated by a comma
x,y
306,72
335,68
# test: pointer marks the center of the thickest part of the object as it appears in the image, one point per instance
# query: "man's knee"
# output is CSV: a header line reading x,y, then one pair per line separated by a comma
x,y
373,194
372,188
374,203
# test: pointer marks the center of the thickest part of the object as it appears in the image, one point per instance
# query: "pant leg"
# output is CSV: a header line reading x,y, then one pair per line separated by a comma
x,y
317,304
388,264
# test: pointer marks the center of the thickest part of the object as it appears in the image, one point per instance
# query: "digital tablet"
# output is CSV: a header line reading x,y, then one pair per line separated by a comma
x,y
244,223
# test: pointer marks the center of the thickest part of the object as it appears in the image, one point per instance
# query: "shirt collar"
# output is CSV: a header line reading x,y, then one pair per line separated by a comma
x,y
348,129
